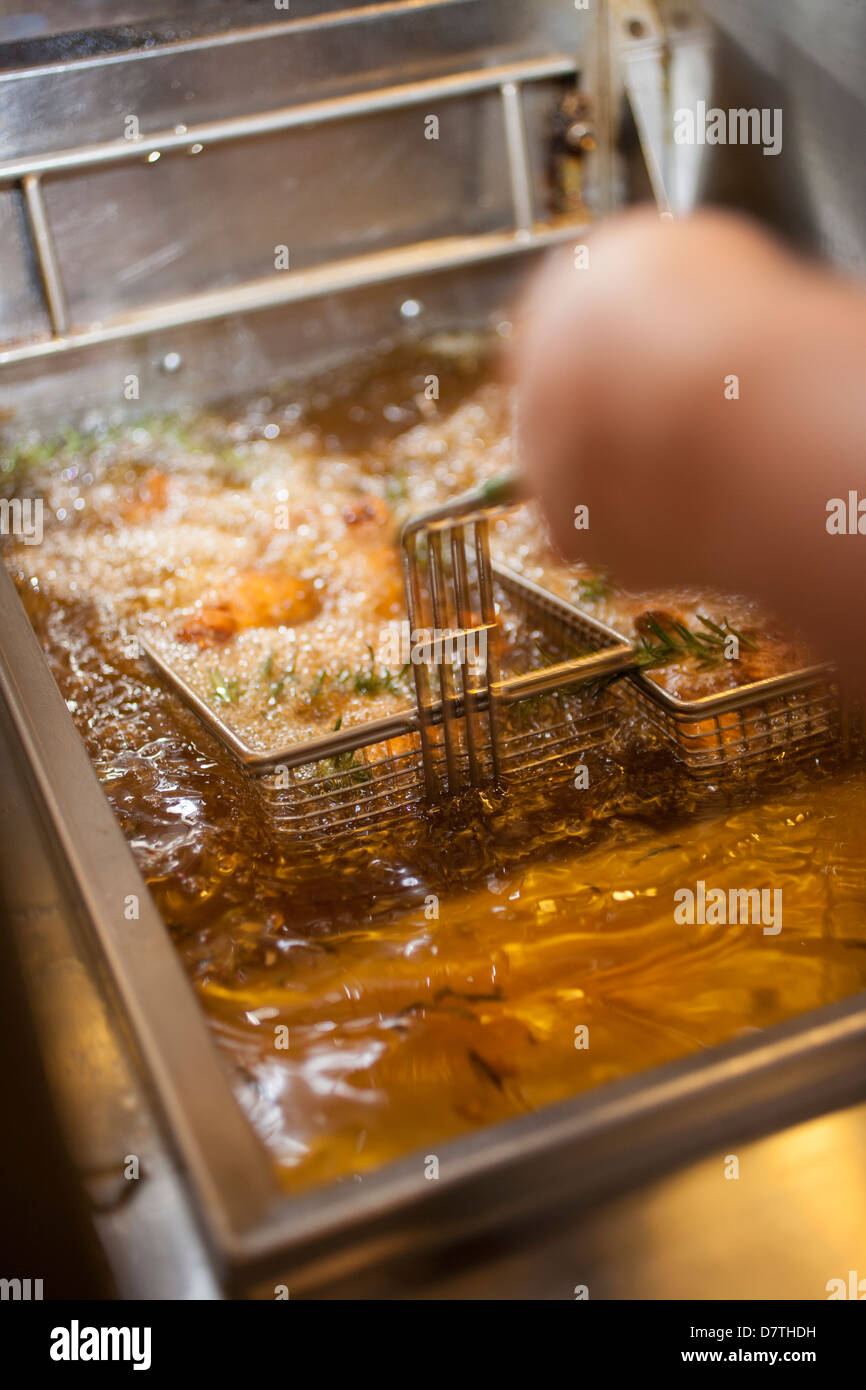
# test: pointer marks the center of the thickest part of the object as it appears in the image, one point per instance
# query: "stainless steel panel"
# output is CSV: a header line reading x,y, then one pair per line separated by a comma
x,y
809,61
203,1121
126,225
797,1218
299,60
145,233
145,1225
23,313
210,361
26,26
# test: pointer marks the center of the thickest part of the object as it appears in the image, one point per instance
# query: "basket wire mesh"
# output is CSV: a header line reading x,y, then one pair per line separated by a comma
x,y
472,727
796,714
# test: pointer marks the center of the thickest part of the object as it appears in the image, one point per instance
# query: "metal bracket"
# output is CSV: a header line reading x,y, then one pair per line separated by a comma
x,y
666,53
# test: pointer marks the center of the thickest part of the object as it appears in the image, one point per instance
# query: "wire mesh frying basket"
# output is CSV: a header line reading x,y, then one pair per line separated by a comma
x,y
471,726
793,715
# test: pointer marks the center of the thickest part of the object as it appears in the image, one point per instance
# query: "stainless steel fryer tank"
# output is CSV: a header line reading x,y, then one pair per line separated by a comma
x,y
121,261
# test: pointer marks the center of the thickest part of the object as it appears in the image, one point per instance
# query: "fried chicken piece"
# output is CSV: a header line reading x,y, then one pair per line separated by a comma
x,y
376,573
764,650
256,598
208,627
150,497
367,512
263,598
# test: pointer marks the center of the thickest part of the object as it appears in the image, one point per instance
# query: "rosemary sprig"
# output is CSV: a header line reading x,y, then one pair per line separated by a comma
x,y
225,689
276,681
25,456
345,762
373,679
593,589
318,685
676,641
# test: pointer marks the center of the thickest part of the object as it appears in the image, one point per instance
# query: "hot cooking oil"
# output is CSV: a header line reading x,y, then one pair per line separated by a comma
x,y
374,997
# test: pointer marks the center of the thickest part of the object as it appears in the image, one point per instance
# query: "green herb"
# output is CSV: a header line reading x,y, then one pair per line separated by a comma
x,y
317,688
225,689
725,630
277,684
345,762
24,457
593,590
545,702
373,679
72,440
676,641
